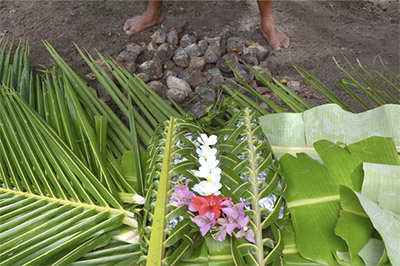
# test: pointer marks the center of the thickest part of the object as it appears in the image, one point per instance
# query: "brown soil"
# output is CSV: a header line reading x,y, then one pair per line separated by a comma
x,y
318,31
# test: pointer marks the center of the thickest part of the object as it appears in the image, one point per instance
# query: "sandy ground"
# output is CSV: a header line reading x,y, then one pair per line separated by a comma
x,y
319,30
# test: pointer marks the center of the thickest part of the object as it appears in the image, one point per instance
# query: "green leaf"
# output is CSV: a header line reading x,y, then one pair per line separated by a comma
x,y
379,196
388,225
353,225
373,252
295,132
313,191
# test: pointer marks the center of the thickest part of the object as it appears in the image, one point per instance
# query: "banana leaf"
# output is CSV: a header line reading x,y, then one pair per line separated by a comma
x,y
313,196
297,132
379,197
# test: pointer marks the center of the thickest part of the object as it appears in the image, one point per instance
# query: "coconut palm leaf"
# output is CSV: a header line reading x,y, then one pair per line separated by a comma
x,y
172,154
379,88
252,174
118,132
54,205
153,108
43,230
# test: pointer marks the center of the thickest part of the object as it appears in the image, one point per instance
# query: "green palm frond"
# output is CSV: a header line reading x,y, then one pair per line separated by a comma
x,y
249,173
63,192
171,155
43,230
379,88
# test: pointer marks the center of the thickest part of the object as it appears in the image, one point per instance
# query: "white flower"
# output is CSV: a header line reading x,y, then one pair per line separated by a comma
x,y
205,188
211,162
138,199
206,152
211,175
207,141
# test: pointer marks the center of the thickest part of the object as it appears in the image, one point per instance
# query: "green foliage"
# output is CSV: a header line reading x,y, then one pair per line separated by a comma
x,y
74,178
319,191
57,157
379,89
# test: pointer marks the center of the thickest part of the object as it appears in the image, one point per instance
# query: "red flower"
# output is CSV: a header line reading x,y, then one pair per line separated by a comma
x,y
208,204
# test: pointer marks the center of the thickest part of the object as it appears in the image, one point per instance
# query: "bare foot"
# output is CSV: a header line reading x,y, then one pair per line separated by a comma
x,y
275,37
140,23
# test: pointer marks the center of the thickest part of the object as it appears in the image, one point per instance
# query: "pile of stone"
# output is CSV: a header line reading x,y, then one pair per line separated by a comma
x,y
183,68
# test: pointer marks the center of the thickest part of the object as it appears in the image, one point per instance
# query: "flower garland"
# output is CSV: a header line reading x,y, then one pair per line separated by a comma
x,y
215,212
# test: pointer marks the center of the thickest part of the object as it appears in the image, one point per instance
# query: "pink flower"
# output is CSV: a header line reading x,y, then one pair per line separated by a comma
x,y
236,215
205,222
183,195
226,227
247,232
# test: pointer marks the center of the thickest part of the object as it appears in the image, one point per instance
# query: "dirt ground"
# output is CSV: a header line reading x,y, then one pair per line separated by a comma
x,y
319,30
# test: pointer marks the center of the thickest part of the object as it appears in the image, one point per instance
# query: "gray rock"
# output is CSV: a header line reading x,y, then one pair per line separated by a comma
x,y
197,63
193,50
159,36
168,73
214,72
211,55
259,70
172,38
294,85
127,56
150,51
130,67
169,65
235,43
249,59
208,76
152,68
213,51
143,76
136,49
222,63
196,78
265,64
157,86
213,41
152,46
164,52
244,73
216,81
260,52
177,96
175,83
103,94
262,90
225,35
253,84
203,45
178,70
197,110
207,97
181,58
185,74
188,39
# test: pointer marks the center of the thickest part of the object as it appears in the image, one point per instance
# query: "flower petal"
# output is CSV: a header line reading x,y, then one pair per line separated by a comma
x,y
241,233
212,140
250,236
